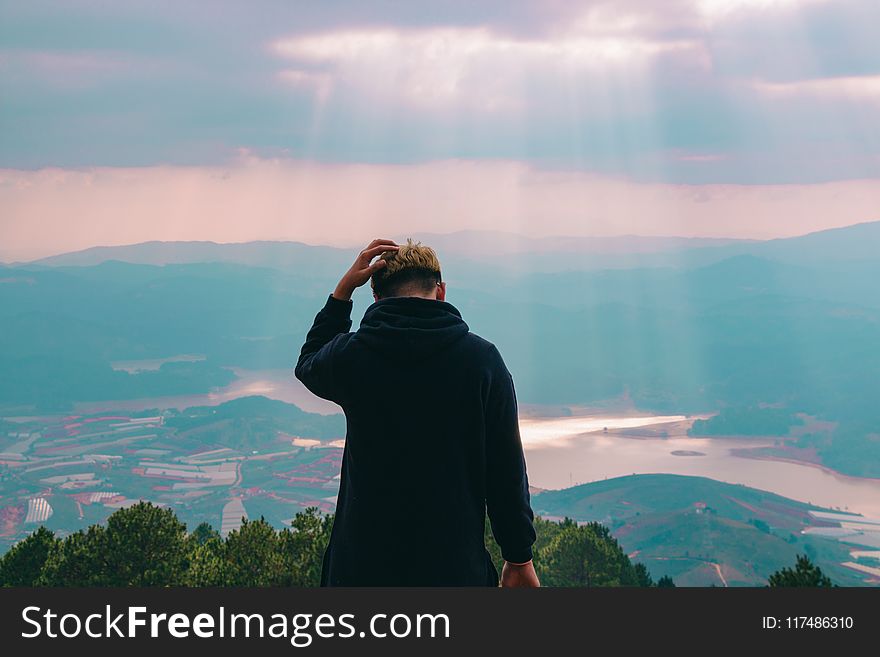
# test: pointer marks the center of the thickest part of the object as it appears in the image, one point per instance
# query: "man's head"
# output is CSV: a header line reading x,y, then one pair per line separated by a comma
x,y
413,270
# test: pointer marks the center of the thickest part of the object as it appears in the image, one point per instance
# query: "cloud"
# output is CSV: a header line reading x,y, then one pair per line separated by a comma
x,y
316,83
716,10
471,68
859,89
692,91
64,69
54,210
698,157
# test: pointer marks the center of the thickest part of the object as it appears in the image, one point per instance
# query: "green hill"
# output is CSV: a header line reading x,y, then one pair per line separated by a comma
x,y
253,422
700,531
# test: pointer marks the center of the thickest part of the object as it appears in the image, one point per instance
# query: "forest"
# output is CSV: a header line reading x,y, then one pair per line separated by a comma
x,y
146,546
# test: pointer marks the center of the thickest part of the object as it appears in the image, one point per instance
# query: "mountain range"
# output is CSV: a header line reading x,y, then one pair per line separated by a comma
x,y
793,323
552,253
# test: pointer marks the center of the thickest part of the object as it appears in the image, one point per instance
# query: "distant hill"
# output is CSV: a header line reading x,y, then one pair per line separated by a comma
x,y
698,530
835,245
504,251
459,251
857,242
286,256
482,243
253,422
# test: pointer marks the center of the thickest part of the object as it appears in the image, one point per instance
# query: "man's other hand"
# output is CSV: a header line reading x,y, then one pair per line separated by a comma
x,y
519,575
361,270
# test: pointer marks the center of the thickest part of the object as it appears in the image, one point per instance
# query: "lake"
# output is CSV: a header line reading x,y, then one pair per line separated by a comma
x,y
562,452
565,451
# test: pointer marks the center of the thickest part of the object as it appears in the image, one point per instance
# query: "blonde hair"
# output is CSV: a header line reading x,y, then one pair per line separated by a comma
x,y
413,262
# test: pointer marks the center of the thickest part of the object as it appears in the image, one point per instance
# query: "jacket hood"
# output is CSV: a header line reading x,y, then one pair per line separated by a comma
x,y
411,328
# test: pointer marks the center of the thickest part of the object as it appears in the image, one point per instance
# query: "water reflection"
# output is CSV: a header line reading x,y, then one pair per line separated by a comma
x,y
565,451
574,458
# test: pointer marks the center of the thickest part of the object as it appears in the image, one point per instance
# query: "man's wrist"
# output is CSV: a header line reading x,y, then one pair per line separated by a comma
x,y
525,563
517,554
337,308
342,293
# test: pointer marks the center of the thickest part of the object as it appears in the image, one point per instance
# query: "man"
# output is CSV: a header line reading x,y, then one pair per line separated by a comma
x,y
432,438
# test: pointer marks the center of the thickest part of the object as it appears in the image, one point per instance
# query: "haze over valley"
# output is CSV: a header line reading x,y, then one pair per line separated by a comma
x,y
149,372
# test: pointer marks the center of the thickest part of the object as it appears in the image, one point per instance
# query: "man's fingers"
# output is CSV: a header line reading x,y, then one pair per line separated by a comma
x,y
377,265
369,254
377,242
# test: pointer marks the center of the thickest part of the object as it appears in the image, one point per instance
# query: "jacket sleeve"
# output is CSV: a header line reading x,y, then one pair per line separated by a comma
x,y
507,484
318,364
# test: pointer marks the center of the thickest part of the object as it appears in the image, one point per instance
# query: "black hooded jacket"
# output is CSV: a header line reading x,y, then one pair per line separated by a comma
x,y
432,444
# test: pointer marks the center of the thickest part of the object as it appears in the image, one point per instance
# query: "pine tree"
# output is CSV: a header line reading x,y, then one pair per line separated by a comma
x,y
78,560
24,562
585,555
252,555
805,573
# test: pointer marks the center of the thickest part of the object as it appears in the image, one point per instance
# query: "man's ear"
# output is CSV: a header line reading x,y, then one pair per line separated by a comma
x,y
441,291
375,297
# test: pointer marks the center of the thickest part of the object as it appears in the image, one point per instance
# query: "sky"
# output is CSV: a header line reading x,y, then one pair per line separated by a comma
x,y
338,121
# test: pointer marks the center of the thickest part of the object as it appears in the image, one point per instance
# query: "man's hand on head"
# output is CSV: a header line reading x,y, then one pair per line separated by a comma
x,y
519,575
361,270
